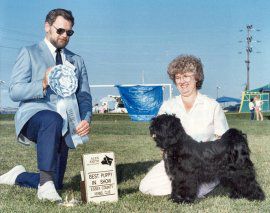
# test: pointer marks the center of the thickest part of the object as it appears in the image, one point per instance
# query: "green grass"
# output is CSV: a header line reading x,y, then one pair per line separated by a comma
x,y
135,154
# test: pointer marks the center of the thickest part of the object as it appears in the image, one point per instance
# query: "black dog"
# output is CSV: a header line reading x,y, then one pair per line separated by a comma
x,y
189,163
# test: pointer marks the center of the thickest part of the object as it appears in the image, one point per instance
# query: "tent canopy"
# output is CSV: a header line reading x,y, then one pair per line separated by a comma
x,y
265,88
225,99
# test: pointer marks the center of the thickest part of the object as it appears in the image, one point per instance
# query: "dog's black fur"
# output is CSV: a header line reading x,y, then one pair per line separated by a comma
x,y
189,163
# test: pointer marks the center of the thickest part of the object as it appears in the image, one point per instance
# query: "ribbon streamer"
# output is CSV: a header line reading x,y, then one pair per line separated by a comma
x,y
63,82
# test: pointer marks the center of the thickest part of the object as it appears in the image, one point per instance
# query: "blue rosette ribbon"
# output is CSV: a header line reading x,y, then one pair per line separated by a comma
x,y
64,83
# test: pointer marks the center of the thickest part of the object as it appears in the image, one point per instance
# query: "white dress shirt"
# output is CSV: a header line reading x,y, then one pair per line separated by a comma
x,y
203,122
53,49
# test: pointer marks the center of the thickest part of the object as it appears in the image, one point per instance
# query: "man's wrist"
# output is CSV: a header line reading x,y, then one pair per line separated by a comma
x,y
44,84
44,87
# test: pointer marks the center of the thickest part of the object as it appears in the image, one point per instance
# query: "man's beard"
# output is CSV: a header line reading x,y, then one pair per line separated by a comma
x,y
58,45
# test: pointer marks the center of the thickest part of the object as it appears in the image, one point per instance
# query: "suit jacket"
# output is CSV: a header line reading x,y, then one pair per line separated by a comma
x,y
26,85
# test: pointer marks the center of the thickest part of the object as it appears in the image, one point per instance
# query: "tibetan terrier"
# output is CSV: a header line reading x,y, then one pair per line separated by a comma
x,y
189,163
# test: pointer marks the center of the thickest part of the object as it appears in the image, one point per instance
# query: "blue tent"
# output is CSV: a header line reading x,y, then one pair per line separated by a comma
x,y
225,99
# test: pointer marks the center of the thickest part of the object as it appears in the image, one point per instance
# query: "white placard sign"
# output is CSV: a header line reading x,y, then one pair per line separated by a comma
x,y
100,177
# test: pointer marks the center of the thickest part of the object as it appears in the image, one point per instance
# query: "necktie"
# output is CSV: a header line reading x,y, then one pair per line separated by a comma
x,y
58,58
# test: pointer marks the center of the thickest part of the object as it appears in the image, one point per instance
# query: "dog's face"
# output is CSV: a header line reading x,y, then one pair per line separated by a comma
x,y
165,130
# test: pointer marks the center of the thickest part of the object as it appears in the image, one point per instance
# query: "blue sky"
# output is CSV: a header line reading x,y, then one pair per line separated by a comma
x,y
121,39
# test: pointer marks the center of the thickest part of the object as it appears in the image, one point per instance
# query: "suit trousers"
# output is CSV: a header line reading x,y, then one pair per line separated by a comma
x,y
45,129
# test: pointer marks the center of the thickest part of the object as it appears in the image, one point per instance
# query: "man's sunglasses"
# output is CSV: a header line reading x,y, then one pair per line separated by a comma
x,y
60,31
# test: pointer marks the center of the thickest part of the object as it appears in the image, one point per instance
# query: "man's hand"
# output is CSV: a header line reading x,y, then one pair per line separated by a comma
x,y
83,128
45,78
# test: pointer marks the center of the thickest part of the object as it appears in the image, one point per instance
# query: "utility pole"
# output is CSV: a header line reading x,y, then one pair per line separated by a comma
x,y
249,50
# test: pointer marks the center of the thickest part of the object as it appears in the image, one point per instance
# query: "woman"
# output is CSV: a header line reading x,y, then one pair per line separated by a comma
x,y
258,108
202,118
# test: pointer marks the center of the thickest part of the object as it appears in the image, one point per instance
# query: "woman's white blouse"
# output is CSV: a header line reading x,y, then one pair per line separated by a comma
x,y
203,122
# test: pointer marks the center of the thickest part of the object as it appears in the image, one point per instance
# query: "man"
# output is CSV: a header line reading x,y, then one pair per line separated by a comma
x,y
251,108
36,119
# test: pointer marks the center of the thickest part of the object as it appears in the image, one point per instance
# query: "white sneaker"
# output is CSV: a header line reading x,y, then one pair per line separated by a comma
x,y
48,192
10,177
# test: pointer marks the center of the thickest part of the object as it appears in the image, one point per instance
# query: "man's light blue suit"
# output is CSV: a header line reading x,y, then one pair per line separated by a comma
x,y
26,85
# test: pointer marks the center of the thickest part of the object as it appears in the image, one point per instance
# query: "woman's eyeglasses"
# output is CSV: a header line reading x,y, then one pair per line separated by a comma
x,y
60,31
184,77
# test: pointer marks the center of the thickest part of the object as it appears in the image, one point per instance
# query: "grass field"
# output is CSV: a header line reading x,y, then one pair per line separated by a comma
x,y
135,154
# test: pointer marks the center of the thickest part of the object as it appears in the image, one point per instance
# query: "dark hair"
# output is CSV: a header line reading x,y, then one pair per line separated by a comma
x,y
187,63
53,14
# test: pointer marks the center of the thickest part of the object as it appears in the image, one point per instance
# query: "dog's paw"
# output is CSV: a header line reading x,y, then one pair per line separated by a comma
x,y
179,199
251,195
256,195
235,195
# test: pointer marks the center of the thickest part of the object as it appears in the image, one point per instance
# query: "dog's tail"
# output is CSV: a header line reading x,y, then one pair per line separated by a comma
x,y
239,151
239,160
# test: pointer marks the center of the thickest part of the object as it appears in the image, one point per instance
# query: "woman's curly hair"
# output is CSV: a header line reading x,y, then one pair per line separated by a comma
x,y
187,63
